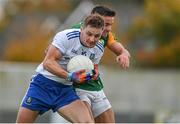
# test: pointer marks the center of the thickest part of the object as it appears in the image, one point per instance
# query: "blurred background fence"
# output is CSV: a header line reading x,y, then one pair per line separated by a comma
x,y
136,95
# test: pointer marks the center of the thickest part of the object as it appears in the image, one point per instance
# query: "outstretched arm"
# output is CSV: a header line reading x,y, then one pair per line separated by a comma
x,y
123,55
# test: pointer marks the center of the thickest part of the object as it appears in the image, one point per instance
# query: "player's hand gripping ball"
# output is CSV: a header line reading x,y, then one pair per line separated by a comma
x,y
80,69
95,72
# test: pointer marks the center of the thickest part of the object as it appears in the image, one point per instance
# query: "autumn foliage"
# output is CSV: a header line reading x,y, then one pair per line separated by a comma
x,y
156,35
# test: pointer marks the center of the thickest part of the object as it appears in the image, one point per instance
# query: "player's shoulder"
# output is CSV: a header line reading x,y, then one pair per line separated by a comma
x,y
99,47
69,33
111,34
72,33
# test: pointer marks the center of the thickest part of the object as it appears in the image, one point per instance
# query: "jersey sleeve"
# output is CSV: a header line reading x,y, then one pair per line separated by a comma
x,y
111,39
60,41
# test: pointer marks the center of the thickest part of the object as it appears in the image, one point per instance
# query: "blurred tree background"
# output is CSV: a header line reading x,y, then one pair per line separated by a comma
x,y
28,26
153,38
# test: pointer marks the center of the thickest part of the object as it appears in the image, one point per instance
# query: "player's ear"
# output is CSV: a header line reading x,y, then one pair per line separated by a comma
x,y
82,28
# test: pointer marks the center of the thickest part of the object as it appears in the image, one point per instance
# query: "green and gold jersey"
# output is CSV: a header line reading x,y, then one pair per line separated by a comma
x,y
95,85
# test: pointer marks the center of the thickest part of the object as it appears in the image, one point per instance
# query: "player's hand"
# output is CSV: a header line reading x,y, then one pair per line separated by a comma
x,y
95,72
79,76
123,59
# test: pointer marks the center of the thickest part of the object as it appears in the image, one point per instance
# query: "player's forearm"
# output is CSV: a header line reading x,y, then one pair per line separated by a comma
x,y
118,49
54,68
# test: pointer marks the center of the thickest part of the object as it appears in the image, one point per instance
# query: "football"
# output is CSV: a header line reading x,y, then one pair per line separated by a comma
x,y
80,62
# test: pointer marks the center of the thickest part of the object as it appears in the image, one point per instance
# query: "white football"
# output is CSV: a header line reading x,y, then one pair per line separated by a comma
x,y
80,62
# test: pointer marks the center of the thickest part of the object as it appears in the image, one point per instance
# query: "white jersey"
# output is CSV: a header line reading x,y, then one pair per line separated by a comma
x,y
68,43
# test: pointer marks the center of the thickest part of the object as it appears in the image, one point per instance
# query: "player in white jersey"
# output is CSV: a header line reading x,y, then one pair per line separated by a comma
x,y
71,40
51,87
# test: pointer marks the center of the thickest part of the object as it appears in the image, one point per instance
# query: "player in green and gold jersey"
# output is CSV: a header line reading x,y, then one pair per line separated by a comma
x,y
92,92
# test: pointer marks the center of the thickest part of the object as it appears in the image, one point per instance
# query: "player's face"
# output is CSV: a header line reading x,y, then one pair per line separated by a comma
x,y
90,36
108,21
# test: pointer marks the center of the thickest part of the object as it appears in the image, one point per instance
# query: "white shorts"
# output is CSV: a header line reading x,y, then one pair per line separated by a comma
x,y
96,99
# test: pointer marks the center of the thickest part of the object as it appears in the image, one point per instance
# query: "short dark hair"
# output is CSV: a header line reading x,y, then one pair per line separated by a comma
x,y
103,11
94,20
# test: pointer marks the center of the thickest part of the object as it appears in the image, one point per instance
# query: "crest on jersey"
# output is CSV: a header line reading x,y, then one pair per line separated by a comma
x,y
83,52
92,56
29,100
74,51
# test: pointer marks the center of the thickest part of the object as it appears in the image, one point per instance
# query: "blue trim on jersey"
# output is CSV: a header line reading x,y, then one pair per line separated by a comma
x,y
72,32
77,33
100,44
100,47
45,94
73,37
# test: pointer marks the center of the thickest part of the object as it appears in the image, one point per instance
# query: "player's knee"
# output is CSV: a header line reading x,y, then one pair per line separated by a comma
x,y
86,120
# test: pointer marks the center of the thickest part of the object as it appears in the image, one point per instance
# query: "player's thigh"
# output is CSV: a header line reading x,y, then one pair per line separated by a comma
x,y
76,112
89,108
86,97
26,115
100,104
105,117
